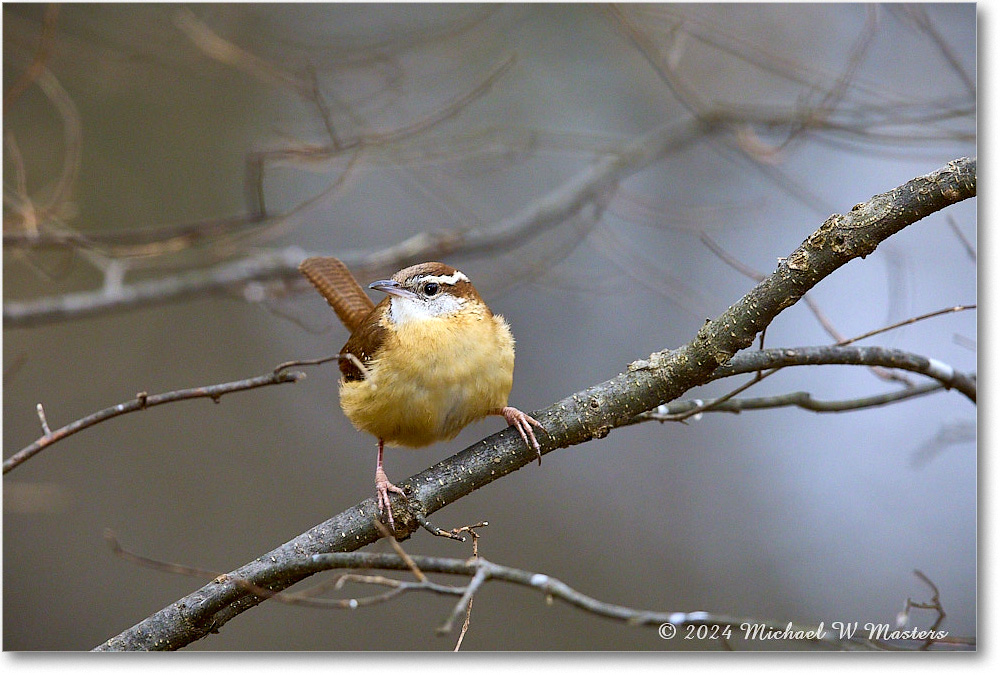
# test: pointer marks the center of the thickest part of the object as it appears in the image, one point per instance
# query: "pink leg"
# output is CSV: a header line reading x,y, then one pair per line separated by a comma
x,y
523,424
383,487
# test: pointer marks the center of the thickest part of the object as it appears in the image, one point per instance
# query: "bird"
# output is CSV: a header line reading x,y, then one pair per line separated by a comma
x,y
426,361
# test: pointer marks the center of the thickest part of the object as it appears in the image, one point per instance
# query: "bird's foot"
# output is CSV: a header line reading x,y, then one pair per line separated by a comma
x,y
382,488
523,423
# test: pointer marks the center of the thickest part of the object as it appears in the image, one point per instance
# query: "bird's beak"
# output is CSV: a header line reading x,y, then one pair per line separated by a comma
x,y
392,288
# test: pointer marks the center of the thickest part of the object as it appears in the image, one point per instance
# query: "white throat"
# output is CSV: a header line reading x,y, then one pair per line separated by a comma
x,y
403,310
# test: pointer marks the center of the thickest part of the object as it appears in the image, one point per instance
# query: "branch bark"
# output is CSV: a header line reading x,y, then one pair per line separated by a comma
x,y
583,416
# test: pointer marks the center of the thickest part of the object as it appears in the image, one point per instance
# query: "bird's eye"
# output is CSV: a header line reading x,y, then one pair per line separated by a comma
x,y
431,289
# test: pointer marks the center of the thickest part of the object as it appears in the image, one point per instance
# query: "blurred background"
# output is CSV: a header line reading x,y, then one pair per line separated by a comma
x,y
147,143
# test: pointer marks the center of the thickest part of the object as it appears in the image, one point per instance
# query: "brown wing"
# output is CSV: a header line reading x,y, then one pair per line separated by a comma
x,y
336,283
363,344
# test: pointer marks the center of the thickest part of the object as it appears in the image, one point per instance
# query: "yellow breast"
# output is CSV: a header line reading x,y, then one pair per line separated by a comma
x,y
433,377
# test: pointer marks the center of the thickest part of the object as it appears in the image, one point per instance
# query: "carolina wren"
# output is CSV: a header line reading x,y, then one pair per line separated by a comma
x,y
423,363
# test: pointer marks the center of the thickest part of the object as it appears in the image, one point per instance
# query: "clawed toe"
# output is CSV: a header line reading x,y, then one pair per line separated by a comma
x,y
382,489
523,423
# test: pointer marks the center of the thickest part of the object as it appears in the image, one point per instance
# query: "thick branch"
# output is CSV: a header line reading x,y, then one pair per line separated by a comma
x,y
279,264
585,415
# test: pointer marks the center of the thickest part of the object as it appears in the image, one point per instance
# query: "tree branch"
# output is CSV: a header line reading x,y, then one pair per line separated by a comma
x,y
583,416
799,399
142,401
763,359
549,210
482,571
906,322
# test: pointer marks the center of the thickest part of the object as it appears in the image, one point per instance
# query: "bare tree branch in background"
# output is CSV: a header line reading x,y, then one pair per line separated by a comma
x,y
606,173
799,399
583,416
41,58
969,248
281,264
43,227
142,401
918,16
847,107
546,212
483,571
906,322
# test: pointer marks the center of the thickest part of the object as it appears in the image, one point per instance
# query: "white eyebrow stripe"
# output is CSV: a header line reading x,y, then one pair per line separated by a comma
x,y
449,280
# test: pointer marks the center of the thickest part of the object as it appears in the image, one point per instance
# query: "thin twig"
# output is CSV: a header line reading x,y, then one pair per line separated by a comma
x,y
800,399
41,59
969,248
471,529
342,356
710,405
935,604
143,401
224,51
918,15
404,556
907,322
465,602
41,417
434,529
160,565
